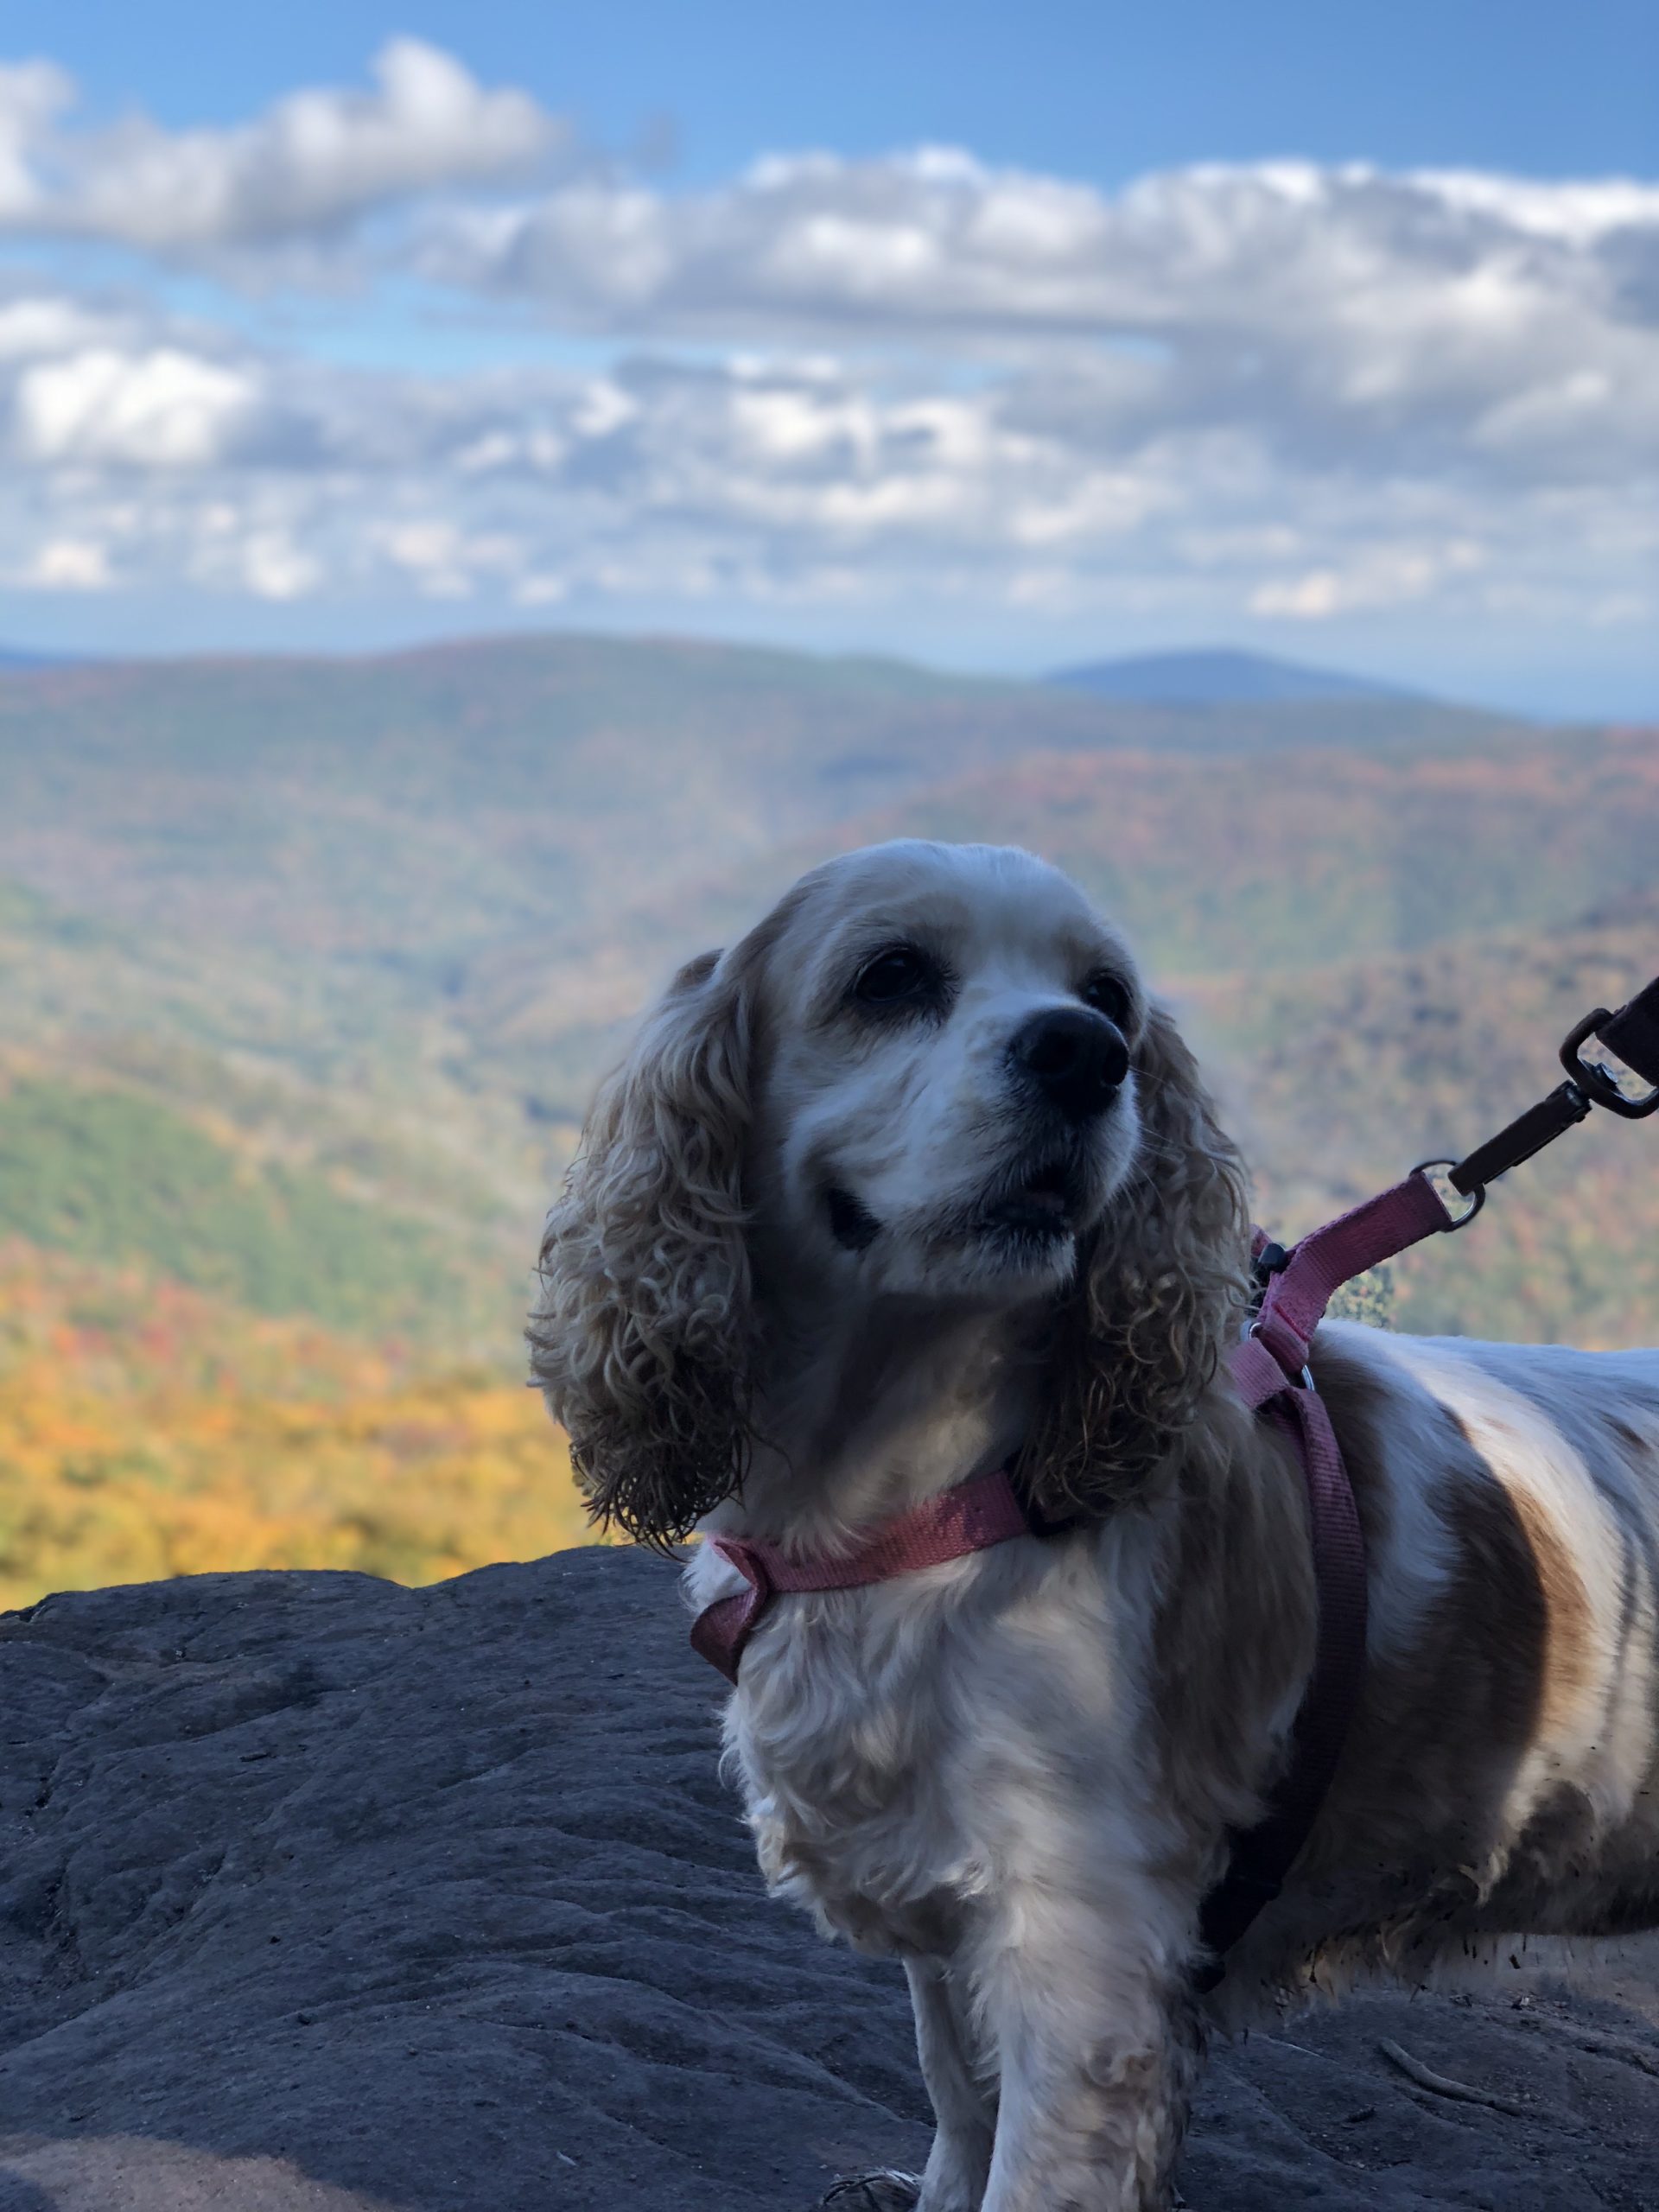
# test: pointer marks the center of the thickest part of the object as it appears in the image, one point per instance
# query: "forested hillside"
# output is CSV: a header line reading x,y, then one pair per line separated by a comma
x,y
308,968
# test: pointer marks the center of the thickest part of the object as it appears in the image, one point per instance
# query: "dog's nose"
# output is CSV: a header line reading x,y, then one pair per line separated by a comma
x,y
1077,1059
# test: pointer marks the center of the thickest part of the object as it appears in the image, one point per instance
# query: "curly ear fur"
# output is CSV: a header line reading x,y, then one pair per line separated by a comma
x,y
640,1336
1158,1298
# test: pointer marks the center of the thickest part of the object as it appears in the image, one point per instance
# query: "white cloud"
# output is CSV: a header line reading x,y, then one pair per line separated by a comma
x,y
33,95
1413,320
160,408
445,561
1325,307
1580,214
33,327
69,565
753,480
313,161
273,567
1385,576
938,238
1300,393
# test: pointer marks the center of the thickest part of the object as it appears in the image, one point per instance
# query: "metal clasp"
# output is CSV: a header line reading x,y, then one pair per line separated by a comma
x,y
1603,1083
1304,1381
1471,1201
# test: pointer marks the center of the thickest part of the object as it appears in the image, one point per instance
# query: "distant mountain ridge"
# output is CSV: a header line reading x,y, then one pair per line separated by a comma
x,y
310,963
1198,675
347,940
1218,675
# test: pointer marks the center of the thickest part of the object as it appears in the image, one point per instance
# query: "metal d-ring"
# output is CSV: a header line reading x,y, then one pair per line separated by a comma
x,y
1476,1198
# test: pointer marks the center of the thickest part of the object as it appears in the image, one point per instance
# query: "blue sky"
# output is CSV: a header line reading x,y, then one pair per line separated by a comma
x,y
1089,87
1000,336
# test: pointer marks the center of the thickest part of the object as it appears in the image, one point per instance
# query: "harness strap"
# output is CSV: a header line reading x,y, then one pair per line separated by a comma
x,y
1316,1269
1260,1858
976,1514
1269,1370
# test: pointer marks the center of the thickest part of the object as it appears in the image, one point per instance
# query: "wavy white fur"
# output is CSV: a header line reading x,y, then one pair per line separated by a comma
x,y
830,1247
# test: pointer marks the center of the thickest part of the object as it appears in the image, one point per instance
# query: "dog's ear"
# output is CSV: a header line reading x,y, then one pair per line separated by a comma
x,y
1160,1291
641,1335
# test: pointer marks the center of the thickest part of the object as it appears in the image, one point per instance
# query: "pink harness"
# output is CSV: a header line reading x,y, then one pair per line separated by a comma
x,y
1269,1370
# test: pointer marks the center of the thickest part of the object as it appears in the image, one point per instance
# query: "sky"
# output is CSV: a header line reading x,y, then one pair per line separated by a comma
x,y
999,337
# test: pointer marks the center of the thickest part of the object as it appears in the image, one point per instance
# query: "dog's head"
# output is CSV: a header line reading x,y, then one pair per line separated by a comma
x,y
930,1076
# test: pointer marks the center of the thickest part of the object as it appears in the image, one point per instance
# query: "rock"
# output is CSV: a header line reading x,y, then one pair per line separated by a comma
x,y
322,1895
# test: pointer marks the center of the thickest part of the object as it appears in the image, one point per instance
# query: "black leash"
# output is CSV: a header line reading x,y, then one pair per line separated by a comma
x,y
1629,1088
1631,1037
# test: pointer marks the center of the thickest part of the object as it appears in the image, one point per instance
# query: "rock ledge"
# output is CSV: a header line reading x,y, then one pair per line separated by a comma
x,y
322,1895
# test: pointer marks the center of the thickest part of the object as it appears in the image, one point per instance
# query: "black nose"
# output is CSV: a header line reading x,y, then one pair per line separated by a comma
x,y
1079,1059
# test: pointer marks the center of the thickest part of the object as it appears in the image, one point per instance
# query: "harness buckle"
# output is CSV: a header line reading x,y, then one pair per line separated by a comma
x,y
1270,1259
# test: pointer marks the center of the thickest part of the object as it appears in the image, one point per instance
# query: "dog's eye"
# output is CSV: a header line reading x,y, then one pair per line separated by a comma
x,y
1109,994
899,973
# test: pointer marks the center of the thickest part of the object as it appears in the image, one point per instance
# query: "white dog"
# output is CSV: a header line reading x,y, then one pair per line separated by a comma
x,y
913,1183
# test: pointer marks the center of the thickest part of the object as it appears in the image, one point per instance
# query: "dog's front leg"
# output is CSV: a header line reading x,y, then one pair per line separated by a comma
x,y
964,2110
1097,2044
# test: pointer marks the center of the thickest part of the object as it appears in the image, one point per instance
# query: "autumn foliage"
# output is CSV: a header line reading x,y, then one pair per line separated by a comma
x,y
309,968
146,1430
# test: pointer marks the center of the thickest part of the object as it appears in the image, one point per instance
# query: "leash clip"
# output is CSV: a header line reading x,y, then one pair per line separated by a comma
x,y
1599,1083
1631,1039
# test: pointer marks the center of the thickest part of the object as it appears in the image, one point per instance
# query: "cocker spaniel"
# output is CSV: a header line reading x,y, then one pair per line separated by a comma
x,y
917,1182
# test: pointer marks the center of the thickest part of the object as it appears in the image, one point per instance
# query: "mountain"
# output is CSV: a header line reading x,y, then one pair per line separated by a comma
x,y
1216,676
308,967
412,809
1216,868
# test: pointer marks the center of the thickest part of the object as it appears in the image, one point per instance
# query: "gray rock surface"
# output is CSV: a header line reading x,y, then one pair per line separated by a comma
x,y
322,1895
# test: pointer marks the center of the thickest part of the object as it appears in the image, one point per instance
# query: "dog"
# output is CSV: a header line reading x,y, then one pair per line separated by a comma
x,y
917,1182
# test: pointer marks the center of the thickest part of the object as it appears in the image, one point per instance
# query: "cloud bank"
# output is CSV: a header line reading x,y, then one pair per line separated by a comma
x,y
313,163
1276,391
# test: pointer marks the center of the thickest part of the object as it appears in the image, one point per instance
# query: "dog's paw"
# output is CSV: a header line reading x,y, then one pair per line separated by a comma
x,y
880,2189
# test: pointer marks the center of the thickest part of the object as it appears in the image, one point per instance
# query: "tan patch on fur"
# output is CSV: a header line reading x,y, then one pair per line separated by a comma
x,y
1569,1627
1444,1723
1501,1607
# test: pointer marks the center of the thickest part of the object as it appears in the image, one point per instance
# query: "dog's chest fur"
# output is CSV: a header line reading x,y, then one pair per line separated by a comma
x,y
897,1747
848,1770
